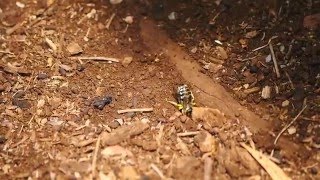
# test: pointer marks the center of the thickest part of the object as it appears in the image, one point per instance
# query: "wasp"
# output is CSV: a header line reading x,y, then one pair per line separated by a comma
x,y
185,100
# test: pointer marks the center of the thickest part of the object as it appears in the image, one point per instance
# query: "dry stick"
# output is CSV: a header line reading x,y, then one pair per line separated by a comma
x,y
213,20
188,134
20,142
289,50
258,48
287,126
157,170
51,44
6,52
135,110
110,20
275,63
94,159
291,83
208,163
269,41
14,28
99,58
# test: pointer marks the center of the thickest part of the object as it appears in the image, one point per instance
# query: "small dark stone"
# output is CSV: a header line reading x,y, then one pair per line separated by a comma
x,y
21,103
42,76
114,124
62,72
130,114
299,94
314,170
253,69
80,67
2,88
101,103
2,139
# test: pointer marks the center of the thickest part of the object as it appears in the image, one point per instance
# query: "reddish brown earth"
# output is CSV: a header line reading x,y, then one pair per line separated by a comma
x,y
50,127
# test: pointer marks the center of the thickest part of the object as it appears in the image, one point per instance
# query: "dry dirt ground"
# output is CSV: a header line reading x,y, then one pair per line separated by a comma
x,y
68,66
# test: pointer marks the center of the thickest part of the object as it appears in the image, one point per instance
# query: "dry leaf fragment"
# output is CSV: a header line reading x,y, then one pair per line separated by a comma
x,y
272,169
251,34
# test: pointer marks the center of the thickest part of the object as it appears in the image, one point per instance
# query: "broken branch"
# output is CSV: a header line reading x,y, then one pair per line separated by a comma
x,y
188,134
96,58
287,126
135,110
275,63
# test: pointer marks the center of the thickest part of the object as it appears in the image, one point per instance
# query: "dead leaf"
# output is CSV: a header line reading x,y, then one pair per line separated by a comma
x,y
251,34
272,169
312,21
74,48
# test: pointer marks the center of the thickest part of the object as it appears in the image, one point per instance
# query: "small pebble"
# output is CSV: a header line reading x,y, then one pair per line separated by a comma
x,y
253,69
2,88
285,103
62,72
314,170
2,139
172,16
80,67
42,76
74,48
114,124
101,103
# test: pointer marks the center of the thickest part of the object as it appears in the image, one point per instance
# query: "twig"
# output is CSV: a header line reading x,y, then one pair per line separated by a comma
x,y
31,120
208,163
263,36
20,142
20,131
31,79
193,133
258,48
14,28
6,52
85,38
157,170
291,83
95,155
287,126
213,20
247,59
84,143
289,50
275,63
110,20
125,29
96,58
135,110
269,41
51,44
